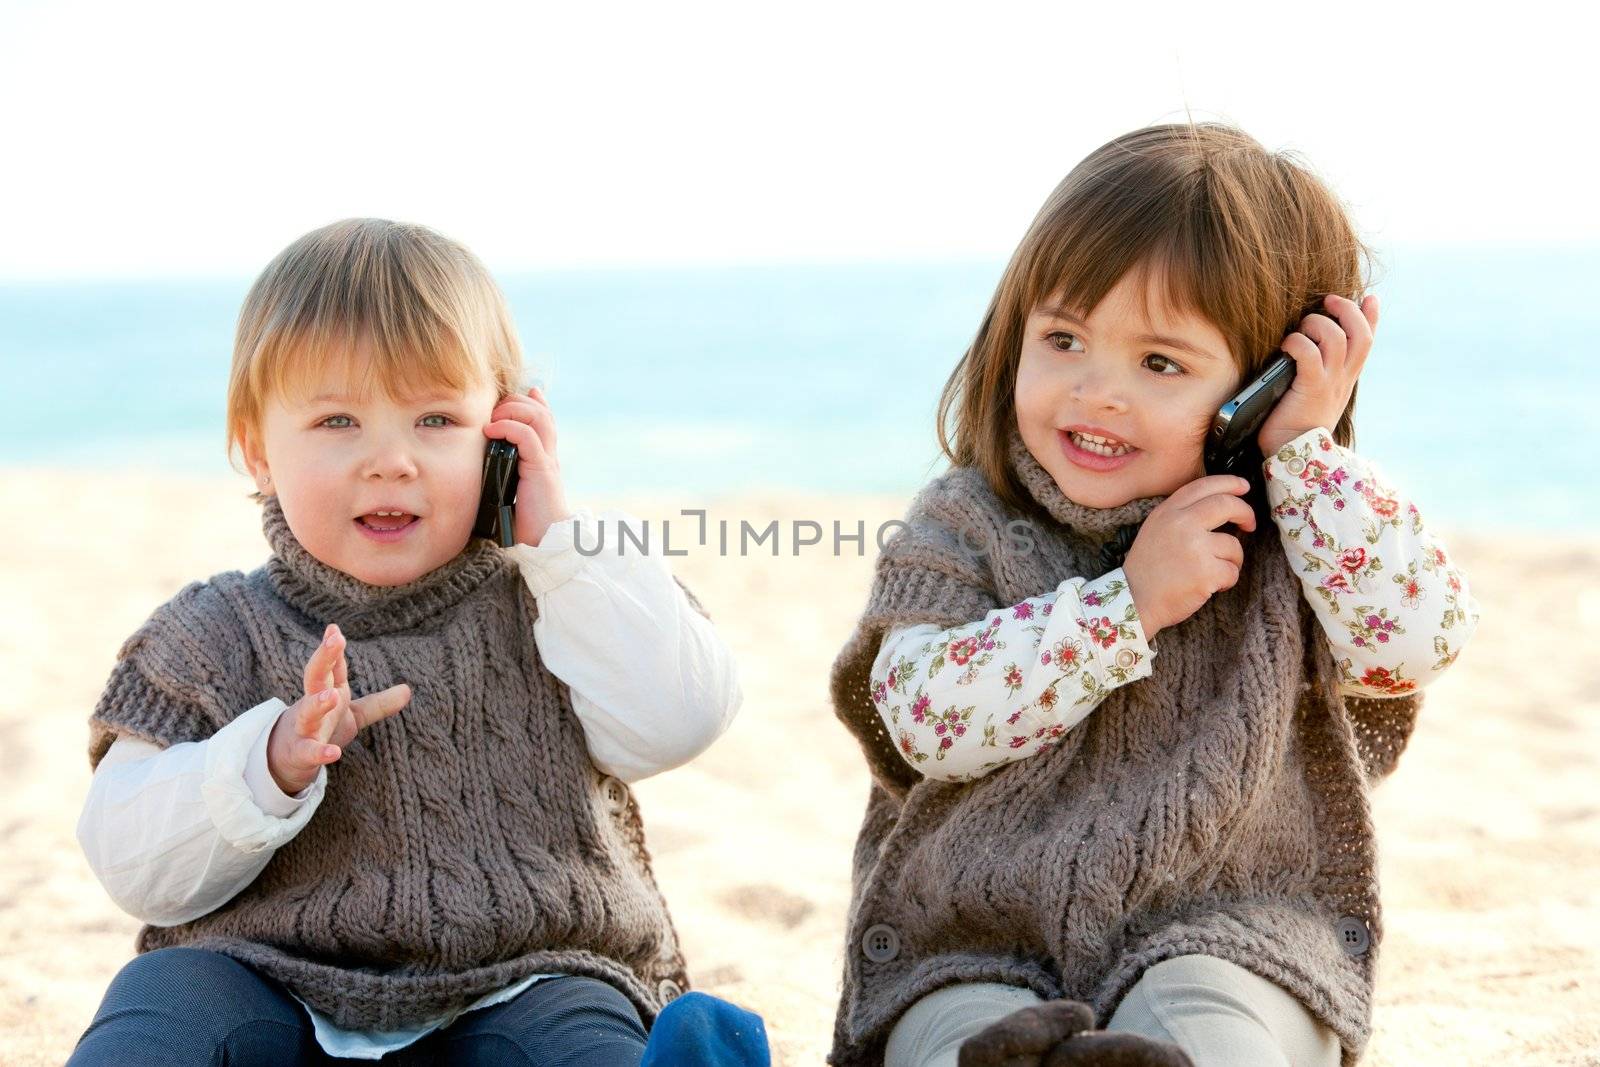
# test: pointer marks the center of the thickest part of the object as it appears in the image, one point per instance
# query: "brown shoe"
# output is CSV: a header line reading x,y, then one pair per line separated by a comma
x,y
1114,1048
1024,1037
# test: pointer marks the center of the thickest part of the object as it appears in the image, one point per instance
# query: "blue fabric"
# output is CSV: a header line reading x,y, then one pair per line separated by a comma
x,y
185,1007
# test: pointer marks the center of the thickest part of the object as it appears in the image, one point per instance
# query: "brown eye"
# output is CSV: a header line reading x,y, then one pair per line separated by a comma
x,y
1057,339
1162,364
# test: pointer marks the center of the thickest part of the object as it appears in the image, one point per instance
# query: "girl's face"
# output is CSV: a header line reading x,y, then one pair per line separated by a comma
x,y
334,462
1114,407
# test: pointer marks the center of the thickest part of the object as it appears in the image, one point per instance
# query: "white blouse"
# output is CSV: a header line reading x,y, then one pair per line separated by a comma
x,y
174,833
961,701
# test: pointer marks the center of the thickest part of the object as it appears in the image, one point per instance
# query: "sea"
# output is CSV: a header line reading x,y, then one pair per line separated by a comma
x,y
1479,399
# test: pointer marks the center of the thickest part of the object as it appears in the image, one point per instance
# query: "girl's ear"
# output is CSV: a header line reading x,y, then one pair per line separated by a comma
x,y
260,473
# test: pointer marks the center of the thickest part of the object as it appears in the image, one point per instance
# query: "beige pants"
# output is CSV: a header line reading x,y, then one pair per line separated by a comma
x,y
1216,1011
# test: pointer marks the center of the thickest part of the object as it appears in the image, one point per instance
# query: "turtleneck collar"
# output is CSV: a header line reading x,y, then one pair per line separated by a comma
x,y
1095,525
327,594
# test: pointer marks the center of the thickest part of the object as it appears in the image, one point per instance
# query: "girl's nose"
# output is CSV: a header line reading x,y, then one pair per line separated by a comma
x,y
390,461
1099,392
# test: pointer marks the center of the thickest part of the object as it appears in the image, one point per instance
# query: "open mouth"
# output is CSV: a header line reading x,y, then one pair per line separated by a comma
x,y
387,522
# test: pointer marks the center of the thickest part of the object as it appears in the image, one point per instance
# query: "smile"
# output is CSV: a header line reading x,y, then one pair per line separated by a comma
x,y
1095,451
386,528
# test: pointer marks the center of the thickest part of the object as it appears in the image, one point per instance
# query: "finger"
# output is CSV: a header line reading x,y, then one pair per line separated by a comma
x,y
319,668
1330,338
1350,318
1214,511
1224,574
1226,546
1200,488
1369,308
530,447
313,711
310,752
330,721
374,706
1308,367
522,408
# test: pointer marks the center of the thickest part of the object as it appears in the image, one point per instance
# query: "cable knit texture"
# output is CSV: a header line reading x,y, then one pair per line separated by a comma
x,y
463,843
1218,806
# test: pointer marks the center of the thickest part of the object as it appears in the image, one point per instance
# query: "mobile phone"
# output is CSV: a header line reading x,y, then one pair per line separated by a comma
x,y
496,514
1231,442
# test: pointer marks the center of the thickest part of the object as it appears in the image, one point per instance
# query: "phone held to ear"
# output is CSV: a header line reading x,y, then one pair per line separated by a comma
x,y
496,515
1231,446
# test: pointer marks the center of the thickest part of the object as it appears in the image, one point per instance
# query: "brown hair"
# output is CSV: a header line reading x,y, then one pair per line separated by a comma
x,y
398,305
1248,239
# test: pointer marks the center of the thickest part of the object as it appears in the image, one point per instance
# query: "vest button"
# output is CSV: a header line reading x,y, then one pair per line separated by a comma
x,y
1354,937
614,793
1126,658
669,990
881,943
1296,465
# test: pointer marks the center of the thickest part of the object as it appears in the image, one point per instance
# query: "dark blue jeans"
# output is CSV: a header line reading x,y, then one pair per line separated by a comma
x,y
186,1007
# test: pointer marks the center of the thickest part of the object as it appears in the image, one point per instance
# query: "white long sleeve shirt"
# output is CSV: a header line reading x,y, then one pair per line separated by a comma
x,y
962,701
174,833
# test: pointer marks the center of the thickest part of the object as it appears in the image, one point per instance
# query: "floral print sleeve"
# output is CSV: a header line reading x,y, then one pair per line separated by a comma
x,y
962,701
1396,609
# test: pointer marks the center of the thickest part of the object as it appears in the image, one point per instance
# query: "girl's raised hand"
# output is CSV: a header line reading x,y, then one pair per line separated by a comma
x,y
1329,351
528,423
315,730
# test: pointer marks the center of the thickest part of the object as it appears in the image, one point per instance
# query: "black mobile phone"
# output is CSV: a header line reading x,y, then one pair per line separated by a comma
x,y
1231,442
496,514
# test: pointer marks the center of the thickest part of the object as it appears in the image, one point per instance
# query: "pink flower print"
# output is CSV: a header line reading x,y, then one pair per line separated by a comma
x,y
1011,720
879,693
1047,699
1384,506
1454,583
1438,557
1325,444
1045,659
1316,471
947,742
1338,505
1412,593
958,729
1047,609
907,745
1013,678
1018,742
1093,600
919,709
891,677
1100,631
940,729
1353,559
1336,583
963,650
1023,610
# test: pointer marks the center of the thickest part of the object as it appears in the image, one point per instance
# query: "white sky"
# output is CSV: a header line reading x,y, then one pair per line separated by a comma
x,y
160,139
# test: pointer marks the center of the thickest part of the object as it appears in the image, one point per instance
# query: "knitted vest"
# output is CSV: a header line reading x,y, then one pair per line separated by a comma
x,y
462,844
1218,806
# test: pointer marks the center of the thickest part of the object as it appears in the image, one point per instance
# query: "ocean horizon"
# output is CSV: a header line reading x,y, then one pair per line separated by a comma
x,y
704,382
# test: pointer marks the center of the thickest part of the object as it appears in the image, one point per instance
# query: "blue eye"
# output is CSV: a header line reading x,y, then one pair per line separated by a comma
x,y
446,418
1055,336
1171,367
330,418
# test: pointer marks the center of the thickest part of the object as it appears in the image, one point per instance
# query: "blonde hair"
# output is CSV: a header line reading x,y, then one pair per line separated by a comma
x,y
397,304
1248,239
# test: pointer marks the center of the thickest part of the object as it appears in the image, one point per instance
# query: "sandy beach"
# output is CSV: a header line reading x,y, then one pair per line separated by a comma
x,y
1489,829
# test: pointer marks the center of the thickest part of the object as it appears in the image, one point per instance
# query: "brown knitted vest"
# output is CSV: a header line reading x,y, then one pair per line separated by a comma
x,y
462,844
1218,806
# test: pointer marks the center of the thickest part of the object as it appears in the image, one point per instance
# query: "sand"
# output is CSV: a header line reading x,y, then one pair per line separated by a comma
x,y
1489,829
